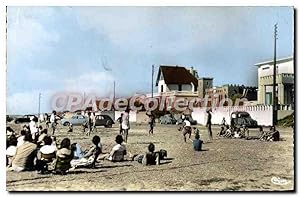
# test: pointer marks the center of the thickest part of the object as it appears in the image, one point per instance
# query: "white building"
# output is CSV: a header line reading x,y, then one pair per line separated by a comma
x,y
176,78
284,81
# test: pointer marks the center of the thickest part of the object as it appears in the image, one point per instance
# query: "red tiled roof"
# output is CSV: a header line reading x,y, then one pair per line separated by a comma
x,y
176,75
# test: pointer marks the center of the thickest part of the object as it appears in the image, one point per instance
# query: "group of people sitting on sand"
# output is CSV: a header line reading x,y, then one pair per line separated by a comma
x,y
231,132
40,152
235,132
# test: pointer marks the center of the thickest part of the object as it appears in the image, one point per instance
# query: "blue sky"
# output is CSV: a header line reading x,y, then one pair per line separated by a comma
x,y
84,49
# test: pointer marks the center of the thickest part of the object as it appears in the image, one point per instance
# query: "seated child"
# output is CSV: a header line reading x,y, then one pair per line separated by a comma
x,y
237,133
70,128
21,138
64,156
40,141
222,132
197,143
149,158
46,155
228,132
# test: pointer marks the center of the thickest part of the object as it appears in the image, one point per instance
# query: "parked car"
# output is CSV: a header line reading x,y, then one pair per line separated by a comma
x,y
167,119
104,120
9,118
25,119
74,120
239,119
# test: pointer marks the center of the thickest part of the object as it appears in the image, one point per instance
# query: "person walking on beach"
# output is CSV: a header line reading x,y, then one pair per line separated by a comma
x,y
120,124
125,124
93,117
208,125
151,121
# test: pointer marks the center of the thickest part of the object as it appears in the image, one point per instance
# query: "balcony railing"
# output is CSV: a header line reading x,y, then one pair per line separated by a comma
x,y
280,78
173,93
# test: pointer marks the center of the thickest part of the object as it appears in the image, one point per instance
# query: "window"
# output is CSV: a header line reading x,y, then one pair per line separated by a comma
x,y
265,68
268,98
162,88
179,87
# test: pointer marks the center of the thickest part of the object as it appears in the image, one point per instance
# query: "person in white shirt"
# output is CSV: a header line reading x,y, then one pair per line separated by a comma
x,y
93,117
32,126
41,137
53,122
125,124
46,156
11,150
118,151
187,129
21,138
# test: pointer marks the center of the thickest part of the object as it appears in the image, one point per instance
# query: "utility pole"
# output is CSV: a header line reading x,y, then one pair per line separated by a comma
x,y
274,80
152,81
39,106
114,96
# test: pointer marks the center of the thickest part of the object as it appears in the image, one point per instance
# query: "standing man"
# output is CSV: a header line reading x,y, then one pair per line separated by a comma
x,y
93,116
208,125
33,127
151,121
53,121
125,124
120,123
224,123
89,124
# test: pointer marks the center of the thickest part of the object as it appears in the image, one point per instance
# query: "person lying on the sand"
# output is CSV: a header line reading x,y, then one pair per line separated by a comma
x,y
88,158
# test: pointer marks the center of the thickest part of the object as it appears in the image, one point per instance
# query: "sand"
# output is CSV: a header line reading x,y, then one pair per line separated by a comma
x,y
224,165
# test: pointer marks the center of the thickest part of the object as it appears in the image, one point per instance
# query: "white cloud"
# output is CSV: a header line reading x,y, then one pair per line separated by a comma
x,y
27,102
26,35
98,83
161,30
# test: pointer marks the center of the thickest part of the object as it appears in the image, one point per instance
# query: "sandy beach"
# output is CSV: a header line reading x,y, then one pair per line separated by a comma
x,y
224,165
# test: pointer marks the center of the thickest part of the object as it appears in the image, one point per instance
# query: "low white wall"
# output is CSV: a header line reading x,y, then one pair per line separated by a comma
x,y
132,115
283,113
262,114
